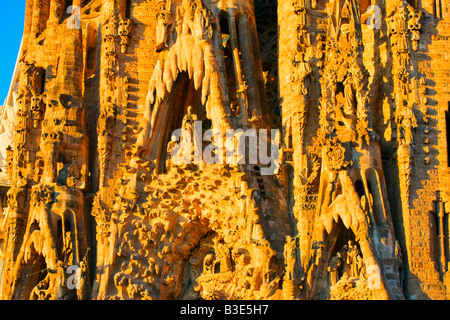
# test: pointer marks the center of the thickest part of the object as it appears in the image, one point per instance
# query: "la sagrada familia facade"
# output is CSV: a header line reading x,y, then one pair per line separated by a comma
x,y
356,92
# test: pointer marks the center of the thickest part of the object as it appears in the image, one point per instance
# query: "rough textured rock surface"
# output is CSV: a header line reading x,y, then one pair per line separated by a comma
x,y
95,205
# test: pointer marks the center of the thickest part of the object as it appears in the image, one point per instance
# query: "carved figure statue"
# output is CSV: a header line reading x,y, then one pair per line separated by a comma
x,y
289,257
351,257
188,121
345,271
125,29
68,249
335,263
406,119
208,264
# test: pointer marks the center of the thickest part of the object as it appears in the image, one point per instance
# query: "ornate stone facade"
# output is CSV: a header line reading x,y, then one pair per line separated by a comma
x,y
356,207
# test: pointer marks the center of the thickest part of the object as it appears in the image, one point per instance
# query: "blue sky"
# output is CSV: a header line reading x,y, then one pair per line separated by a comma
x,y
12,15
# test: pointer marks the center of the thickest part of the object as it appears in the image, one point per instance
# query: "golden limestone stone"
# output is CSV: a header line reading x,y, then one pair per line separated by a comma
x,y
197,149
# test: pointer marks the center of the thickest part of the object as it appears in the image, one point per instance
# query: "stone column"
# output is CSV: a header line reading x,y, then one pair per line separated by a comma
x,y
248,62
28,22
237,65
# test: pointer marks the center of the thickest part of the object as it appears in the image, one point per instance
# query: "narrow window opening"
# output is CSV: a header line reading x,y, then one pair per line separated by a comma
x,y
90,62
91,53
440,234
359,186
447,129
238,34
4,200
289,143
40,81
338,190
376,197
128,9
224,26
446,238
59,232
340,88
229,65
91,58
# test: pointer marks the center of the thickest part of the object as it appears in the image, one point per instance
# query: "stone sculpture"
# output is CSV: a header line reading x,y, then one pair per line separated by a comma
x,y
107,202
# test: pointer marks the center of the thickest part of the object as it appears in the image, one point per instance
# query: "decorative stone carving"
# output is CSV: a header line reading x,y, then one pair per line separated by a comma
x,y
353,103
404,31
37,109
109,46
125,33
164,20
105,128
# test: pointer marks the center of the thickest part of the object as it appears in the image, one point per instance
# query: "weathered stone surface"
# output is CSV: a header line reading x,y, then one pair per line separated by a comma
x,y
100,201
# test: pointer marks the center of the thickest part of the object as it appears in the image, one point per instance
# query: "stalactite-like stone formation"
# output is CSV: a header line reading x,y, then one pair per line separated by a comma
x,y
105,201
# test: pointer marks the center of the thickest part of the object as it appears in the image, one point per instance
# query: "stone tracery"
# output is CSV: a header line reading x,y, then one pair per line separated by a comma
x,y
165,230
